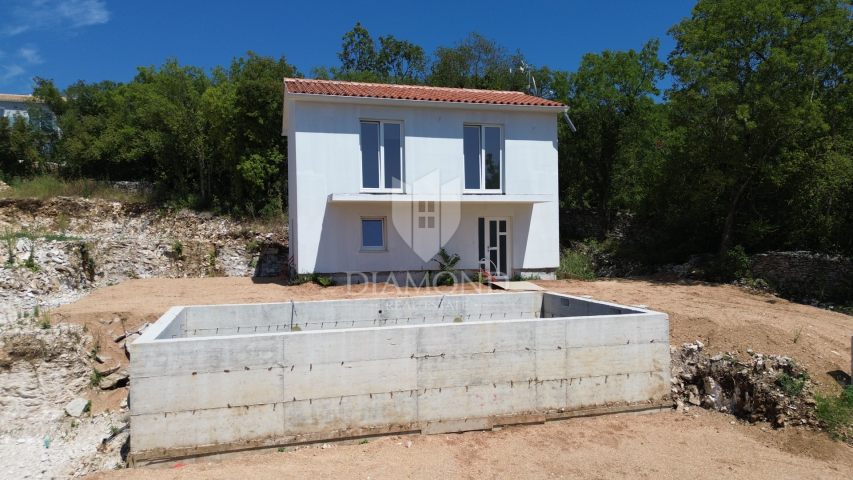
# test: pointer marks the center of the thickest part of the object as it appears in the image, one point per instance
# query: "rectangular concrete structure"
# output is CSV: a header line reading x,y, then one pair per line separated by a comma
x,y
213,380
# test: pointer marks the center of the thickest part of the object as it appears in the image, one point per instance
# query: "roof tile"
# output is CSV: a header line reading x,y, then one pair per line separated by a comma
x,y
413,92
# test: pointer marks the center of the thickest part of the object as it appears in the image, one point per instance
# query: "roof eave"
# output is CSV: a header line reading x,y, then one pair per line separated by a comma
x,y
313,97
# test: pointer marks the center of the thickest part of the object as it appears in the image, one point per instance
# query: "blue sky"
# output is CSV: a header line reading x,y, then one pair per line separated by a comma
x,y
95,40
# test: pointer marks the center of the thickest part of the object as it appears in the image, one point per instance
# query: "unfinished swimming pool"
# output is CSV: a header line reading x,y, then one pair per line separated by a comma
x,y
222,379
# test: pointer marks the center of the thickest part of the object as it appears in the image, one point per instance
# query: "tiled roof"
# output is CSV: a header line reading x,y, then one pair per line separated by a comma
x,y
413,92
8,97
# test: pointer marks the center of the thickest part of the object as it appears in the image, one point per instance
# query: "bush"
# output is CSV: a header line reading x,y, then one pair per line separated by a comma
x,y
446,262
734,265
574,261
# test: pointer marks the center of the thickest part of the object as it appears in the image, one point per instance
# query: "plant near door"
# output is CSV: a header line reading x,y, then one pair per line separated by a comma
x,y
446,262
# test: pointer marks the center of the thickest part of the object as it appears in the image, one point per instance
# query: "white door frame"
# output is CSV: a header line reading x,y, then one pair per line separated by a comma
x,y
486,264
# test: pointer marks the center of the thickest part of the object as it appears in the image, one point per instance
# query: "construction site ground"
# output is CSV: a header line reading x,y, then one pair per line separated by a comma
x,y
699,444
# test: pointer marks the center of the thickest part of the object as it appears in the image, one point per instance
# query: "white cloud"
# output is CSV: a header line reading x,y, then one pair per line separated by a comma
x,y
55,14
30,55
10,71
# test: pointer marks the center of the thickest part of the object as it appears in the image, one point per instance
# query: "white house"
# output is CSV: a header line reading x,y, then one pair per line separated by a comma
x,y
380,177
12,105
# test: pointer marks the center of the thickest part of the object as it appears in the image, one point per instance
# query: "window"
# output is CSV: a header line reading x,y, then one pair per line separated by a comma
x,y
373,234
2,112
381,156
483,157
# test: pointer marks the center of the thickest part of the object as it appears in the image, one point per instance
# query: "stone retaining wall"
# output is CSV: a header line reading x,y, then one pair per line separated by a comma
x,y
817,275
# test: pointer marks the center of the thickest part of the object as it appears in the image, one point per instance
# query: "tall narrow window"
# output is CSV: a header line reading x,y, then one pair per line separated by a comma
x,y
483,153
471,148
381,155
369,155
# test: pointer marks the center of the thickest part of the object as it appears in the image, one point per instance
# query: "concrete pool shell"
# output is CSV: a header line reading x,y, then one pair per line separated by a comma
x,y
224,379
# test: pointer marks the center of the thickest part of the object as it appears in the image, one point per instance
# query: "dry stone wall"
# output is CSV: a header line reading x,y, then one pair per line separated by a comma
x,y
811,274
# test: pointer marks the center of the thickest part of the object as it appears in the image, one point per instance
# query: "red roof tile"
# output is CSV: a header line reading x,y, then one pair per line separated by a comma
x,y
8,97
413,92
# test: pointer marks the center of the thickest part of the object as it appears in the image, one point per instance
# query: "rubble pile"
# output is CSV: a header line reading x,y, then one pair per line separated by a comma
x,y
762,388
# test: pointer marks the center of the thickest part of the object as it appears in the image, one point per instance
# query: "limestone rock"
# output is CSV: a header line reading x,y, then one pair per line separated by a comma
x,y
112,381
75,407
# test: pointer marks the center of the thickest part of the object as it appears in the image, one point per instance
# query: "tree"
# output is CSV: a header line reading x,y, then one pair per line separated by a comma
x,y
477,62
746,90
358,54
400,61
619,127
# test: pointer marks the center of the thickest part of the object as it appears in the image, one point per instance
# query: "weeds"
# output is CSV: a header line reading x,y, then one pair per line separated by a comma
x,y
574,261
88,407
317,278
837,412
280,449
95,378
797,335
792,385
178,248
520,277
45,321
364,441
114,431
47,186
118,466
211,259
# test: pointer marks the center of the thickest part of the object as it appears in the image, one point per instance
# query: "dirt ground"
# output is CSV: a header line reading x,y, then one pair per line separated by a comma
x,y
668,445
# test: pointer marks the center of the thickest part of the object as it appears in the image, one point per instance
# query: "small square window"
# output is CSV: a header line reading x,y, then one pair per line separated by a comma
x,y
373,234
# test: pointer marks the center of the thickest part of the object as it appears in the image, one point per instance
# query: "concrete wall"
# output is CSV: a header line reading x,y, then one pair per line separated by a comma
x,y
208,395
325,158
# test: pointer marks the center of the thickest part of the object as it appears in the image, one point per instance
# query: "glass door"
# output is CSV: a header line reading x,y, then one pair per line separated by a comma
x,y
496,247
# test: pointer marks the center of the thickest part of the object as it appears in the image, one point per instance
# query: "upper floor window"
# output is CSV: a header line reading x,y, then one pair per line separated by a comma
x,y
381,155
483,153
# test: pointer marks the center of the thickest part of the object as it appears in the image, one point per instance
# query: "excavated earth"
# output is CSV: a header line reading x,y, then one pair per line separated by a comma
x,y
737,412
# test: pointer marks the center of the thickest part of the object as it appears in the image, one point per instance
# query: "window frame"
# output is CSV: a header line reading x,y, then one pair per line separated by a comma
x,y
482,189
382,189
374,249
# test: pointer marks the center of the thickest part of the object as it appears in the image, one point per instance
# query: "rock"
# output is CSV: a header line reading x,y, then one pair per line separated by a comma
x,y
113,380
123,403
116,320
717,358
103,322
103,358
75,407
700,345
107,371
694,399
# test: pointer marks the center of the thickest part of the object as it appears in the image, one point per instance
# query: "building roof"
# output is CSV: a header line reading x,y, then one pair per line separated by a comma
x,y
9,97
413,92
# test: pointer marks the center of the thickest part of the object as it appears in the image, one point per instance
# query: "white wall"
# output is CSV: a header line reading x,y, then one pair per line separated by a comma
x,y
325,158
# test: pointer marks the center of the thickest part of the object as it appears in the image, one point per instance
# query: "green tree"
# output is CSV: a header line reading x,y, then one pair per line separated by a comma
x,y
620,129
746,91
358,54
477,62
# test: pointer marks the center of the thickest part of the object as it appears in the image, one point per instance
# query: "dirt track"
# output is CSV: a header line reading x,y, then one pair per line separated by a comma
x,y
665,445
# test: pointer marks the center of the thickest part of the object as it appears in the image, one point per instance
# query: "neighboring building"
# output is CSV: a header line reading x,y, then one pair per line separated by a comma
x,y
11,105
382,176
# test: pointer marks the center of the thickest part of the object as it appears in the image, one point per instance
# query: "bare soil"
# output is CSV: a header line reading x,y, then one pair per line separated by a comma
x,y
668,445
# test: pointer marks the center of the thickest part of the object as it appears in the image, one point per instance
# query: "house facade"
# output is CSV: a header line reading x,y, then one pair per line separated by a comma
x,y
380,177
12,105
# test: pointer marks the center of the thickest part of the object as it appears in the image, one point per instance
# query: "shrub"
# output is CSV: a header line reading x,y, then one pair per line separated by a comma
x,y
446,262
734,265
178,248
574,261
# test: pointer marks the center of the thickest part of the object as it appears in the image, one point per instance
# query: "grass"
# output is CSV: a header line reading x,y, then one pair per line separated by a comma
x,y
520,277
321,280
95,378
573,261
47,186
837,413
